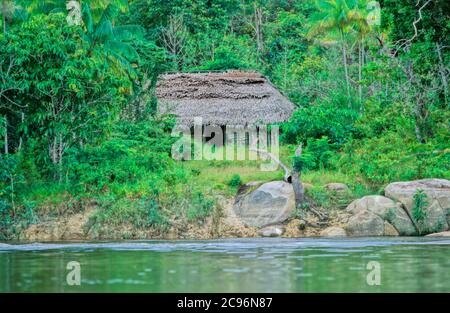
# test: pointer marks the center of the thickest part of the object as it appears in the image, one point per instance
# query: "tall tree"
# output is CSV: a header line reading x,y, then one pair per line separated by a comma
x,y
114,40
336,16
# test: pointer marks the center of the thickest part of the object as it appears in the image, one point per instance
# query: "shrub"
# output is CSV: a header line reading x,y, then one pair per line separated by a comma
x,y
235,181
419,213
199,208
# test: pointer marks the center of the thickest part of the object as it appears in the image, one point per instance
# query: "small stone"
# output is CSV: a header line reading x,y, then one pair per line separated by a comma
x,y
337,187
271,231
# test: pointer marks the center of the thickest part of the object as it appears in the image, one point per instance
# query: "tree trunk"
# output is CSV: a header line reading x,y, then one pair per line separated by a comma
x,y
419,120
442,72
259,31
361,47
344,56
4,15
297,185
6,135
21,137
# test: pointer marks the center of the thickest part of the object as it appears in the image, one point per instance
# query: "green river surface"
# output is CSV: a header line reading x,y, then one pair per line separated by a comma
x,y
229,265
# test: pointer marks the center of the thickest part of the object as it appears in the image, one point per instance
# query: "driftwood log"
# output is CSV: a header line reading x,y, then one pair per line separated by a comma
x,y
295,180
287,172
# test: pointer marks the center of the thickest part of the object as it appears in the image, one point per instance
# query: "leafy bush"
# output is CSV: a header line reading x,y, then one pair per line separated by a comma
x,y
393,157
323,120
419,213
235,181
199,208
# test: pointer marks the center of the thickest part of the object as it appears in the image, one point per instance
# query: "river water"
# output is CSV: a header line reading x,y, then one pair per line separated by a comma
x,y
230,265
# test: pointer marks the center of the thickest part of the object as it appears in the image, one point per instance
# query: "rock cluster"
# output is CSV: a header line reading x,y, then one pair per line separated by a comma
x,y
268,205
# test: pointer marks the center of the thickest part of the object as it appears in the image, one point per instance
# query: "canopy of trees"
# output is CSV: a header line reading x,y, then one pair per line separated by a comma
x,y
370,80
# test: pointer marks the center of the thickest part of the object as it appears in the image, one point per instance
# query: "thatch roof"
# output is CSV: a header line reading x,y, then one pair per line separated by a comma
x,y
230,98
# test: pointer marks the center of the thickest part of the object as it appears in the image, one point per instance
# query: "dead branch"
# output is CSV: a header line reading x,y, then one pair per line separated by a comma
x,y
404,43
287,172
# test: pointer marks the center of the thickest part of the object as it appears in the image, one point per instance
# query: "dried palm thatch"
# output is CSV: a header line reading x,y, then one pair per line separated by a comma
x,y
234,98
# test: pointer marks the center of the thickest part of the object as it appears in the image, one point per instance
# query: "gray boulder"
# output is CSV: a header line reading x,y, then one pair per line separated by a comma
x,y
368,224
388,210
266,204
438,200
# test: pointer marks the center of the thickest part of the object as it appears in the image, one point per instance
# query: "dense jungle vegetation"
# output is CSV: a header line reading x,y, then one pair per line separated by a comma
x,y
78,117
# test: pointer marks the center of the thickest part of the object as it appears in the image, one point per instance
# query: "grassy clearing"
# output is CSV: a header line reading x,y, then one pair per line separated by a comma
x,y
217,176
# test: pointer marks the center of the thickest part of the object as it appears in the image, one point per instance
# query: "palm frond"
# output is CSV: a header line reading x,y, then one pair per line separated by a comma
x,y
128,32
109,14
104,31
125,50
86,14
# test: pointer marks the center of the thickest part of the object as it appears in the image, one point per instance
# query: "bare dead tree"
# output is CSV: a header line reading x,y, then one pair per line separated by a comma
x,y
443,71
422,96
406,43
174,37
256,23
299,190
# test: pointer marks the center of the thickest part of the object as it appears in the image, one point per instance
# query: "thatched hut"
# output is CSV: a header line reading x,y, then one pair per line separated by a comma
x,y
233,98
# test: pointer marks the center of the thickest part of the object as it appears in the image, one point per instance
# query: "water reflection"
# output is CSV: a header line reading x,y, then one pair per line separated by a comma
x,y
252,265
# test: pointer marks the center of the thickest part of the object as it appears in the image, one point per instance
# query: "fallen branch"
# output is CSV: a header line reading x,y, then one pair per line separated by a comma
x,y
287,172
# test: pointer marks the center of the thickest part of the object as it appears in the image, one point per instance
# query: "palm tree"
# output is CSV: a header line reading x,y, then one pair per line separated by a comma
x,y
362,28
336,16
10,10
114,40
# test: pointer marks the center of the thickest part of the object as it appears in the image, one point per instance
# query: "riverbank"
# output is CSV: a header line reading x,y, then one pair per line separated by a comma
x,y
372,215
199,199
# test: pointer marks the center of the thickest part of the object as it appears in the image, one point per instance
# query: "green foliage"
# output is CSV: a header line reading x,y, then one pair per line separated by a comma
x,y
200,208
10,180
332,120
113,40
132,152
419,212
64,93
394,156
304,162
79,113
225,58
235,181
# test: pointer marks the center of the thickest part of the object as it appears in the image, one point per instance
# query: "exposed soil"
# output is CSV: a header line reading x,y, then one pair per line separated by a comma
x,y
222,224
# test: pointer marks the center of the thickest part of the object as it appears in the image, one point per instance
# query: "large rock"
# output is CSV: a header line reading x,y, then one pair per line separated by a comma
x,y
333,231
263,205
388,210
368,224
438,199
